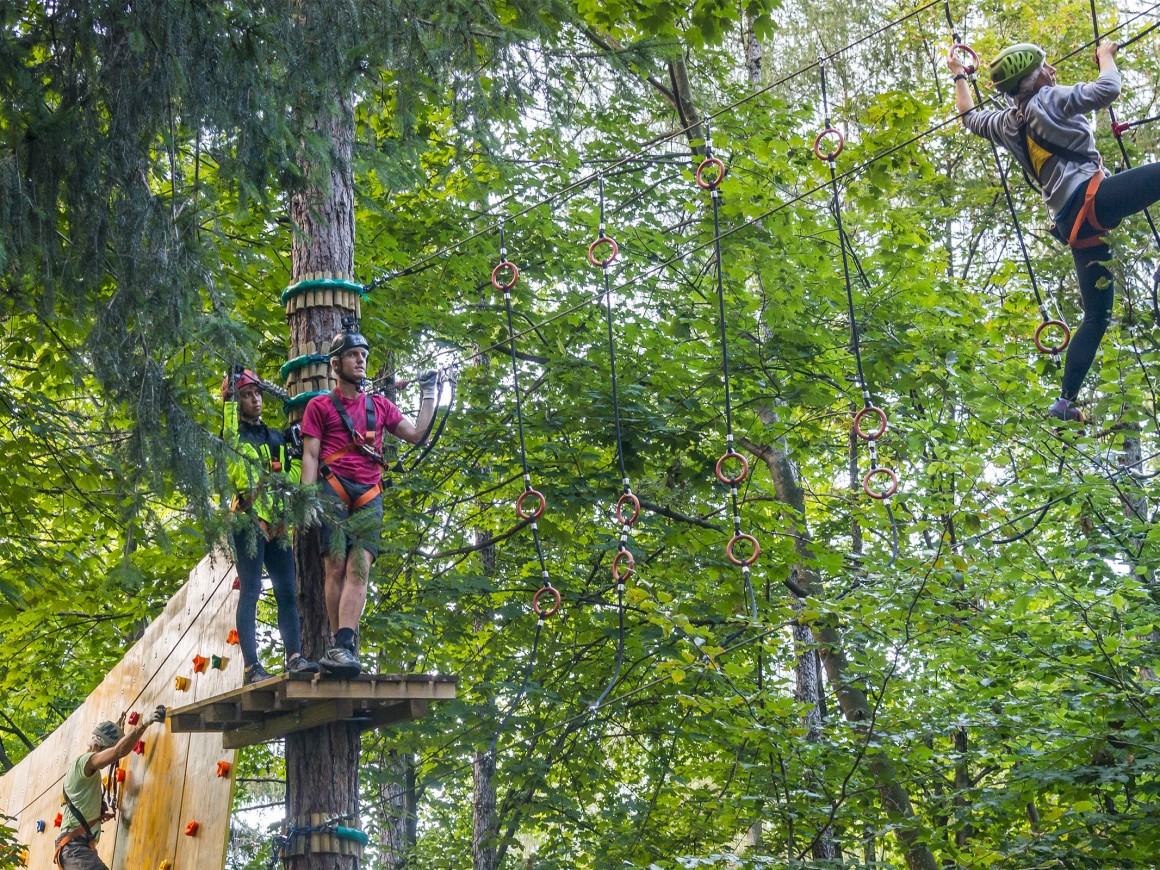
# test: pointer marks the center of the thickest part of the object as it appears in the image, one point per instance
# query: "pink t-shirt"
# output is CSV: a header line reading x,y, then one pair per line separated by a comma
x,y
321,421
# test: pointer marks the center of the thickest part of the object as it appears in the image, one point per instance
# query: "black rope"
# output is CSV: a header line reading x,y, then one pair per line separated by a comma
x,y
623,564
1112,115
711,163
855,338
541,613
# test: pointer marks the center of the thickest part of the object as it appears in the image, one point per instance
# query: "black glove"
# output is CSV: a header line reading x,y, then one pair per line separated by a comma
x,y
293,436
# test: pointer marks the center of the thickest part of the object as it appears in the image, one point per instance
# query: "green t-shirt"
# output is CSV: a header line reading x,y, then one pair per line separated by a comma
x,y
85,793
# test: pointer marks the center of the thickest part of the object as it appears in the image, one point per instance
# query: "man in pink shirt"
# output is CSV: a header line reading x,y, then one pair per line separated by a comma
x,y
342,442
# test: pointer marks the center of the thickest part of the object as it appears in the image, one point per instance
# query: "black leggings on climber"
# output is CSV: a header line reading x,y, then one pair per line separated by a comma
x,y
1047,130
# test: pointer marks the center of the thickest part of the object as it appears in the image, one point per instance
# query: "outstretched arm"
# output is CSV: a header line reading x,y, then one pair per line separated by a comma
x,y
963,101
123,746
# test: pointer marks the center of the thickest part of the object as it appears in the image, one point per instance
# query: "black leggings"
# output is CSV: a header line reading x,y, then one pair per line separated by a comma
x,y
1118,196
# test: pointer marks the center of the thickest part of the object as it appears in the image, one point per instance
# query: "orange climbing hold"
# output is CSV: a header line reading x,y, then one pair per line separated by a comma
x,y
232,637
120,774
191,829
199,664
165,865
223,768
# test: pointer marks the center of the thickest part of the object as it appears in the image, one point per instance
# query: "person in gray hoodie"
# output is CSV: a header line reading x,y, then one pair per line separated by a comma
x,y
1047,130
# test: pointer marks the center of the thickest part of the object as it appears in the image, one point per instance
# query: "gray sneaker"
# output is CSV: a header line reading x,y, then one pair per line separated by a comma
x,y
255,674
340,662
301,666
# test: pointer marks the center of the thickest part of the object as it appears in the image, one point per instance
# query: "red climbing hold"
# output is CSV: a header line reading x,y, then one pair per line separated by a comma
x,y
56,822
140,747
223,768
134,718
119,776
191,829
237,583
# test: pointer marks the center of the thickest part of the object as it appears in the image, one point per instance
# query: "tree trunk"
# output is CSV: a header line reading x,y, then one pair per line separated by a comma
x,y
397,801
322,763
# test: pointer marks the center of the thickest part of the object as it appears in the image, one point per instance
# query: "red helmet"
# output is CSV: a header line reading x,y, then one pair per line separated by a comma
x,y
233,383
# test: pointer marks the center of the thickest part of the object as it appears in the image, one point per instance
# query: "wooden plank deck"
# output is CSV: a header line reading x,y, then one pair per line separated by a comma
x,y
282,705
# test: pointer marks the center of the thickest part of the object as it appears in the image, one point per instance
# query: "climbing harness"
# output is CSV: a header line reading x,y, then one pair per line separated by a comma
x,y
709,175
870,422
1046,321
363,442
530,504
602,253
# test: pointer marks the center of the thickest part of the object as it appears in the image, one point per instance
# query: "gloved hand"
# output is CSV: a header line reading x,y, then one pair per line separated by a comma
x,y
428,385
293,436
158,715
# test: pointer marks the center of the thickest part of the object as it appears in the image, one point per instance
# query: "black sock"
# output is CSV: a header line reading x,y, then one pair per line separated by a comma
x,y
345,637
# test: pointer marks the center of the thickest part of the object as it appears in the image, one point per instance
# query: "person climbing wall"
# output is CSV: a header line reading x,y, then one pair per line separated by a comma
x,y
258,538
1045,127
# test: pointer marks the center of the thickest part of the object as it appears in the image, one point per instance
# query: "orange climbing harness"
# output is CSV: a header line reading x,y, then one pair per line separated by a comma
x,y
1086,217
363,442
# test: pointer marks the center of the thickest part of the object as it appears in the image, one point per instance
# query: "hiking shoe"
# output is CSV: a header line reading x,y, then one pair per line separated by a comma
x,y
1066,410
340,662
301,665
255,674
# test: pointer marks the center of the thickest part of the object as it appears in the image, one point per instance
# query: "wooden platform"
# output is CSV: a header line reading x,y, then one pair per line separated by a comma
x,y
282,705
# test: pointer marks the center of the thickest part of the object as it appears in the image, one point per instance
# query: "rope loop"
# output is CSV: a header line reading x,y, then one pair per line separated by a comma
x,y
620,570
627,498
740,476
549,589
1052,349
500,285
830,156
614,250
535,514
875,434
880,494
710,162
737,560
969,68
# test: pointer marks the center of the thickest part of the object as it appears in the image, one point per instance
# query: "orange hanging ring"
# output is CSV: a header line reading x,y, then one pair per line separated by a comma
x,y
500,285
880,494
821,137
737,560
1052,349
876,433
715,163
614,251
969,68
741,475
629,498
538,609
620,570
538,512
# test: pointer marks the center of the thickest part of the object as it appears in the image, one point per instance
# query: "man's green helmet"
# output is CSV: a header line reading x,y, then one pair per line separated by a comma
x,y
1013,63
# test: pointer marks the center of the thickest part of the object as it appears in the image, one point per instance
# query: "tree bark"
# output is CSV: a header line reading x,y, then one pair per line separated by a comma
x,y
322,764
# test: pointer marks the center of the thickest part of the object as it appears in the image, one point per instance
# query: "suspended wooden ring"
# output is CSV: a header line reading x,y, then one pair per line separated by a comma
x,y
499,285
700,176
720,471
1052,349
877,433
880,494
612,254
634,501
969,68
832,155
619,573
736,560
539,611
538,512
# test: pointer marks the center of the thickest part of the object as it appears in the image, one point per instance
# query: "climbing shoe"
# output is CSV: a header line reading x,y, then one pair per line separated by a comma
x,y
1066,410
301,665
255,674
340,662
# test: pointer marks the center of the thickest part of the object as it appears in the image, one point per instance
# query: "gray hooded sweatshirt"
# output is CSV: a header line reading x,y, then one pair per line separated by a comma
x,y
1058,115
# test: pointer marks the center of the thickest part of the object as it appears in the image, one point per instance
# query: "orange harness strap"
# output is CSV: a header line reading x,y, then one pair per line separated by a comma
x,y
352,505
1087,217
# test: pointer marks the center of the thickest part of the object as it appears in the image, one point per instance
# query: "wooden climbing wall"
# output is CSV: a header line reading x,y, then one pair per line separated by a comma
x,y
174,781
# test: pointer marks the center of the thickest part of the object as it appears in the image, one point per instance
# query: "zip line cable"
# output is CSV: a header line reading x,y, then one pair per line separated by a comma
x,y
504,277
623,563
711,183
642,150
